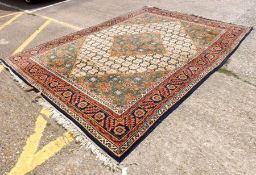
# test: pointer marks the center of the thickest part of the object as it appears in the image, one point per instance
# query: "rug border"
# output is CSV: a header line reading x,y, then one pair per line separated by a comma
x,y
232,49
190,92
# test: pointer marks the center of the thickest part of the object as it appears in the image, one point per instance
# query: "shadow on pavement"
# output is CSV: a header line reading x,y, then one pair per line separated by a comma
x,y
4,9
24,6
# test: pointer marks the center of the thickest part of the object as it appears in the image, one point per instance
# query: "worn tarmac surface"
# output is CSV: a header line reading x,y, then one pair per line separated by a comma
x,y
212,132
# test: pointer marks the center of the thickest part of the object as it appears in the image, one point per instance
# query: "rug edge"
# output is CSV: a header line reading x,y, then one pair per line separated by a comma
x,y
119,159
23,81
190,92
64,121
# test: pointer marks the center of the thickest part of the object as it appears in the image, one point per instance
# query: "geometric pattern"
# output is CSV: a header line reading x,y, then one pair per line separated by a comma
x,y
117,80
131,49
137,44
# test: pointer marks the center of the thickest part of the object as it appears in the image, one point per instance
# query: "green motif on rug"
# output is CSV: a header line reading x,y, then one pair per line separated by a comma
x,y
62,60
122,89
137,44
119,65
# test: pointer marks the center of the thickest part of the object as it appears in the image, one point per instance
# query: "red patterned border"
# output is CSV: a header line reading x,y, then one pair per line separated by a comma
x,y
83,109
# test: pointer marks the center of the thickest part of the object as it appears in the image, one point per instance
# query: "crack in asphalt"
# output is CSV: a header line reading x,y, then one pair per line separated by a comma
x,y
232,74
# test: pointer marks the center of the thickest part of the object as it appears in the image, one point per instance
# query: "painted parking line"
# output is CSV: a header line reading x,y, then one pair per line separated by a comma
x,y
1,68
34,10
8,15
45,17
10,6
62,23
31,157
32,37
48,6
11,20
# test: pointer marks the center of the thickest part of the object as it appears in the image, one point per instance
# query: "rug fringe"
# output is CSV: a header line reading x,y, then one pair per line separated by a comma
x,y
80,137
63,121
16,78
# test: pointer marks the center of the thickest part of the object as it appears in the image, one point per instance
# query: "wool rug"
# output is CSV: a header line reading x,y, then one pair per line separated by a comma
x,y
117,80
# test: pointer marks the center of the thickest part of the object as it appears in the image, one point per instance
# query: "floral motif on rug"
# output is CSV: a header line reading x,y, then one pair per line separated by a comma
x,y
117,80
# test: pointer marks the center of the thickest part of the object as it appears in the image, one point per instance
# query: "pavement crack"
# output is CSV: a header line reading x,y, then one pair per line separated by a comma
x,y
232,74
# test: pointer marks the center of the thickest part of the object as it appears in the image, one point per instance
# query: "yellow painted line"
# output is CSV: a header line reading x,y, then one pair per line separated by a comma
x,y
8,15
11,20
62,23
30,157
51,148
32,37
1,68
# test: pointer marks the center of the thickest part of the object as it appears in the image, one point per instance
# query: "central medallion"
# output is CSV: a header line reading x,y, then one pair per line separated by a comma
x,y
121,64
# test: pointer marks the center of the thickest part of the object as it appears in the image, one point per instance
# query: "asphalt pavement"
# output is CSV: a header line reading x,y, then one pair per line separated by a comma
x,y
212,132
